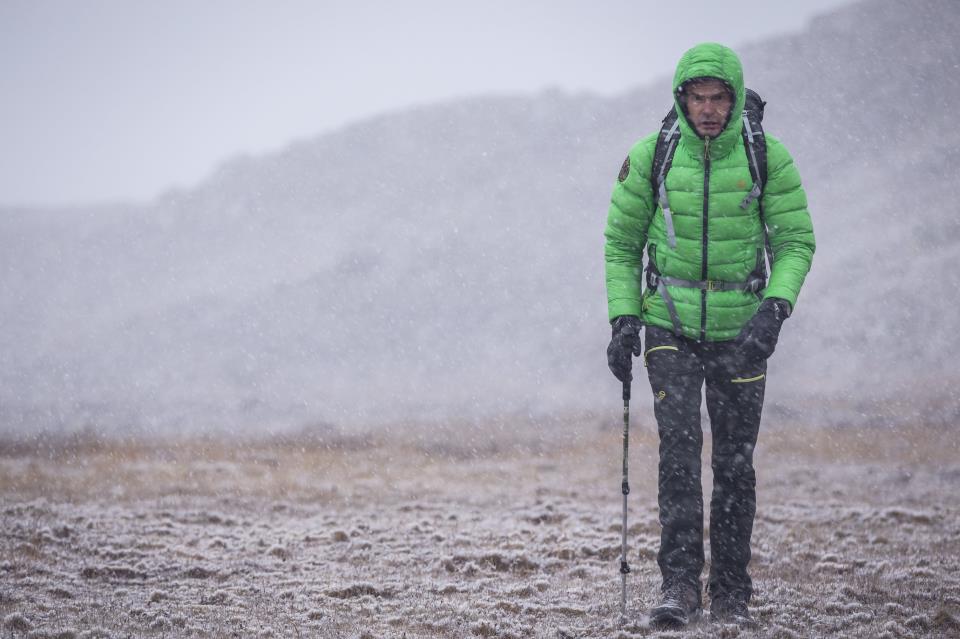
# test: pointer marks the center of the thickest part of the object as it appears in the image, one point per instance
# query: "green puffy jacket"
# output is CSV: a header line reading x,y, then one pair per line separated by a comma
x,y
715,238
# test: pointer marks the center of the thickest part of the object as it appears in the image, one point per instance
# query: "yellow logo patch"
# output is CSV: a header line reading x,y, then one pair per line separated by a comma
x,y
741,184
662,395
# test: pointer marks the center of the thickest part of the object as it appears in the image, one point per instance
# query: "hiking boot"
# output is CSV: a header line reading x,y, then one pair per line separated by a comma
x,y
727,609
680,606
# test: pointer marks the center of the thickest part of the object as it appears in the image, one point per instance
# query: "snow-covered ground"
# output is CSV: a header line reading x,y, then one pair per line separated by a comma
x,y
504,530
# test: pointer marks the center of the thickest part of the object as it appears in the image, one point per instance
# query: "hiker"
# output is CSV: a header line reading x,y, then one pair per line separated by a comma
x,y
719,190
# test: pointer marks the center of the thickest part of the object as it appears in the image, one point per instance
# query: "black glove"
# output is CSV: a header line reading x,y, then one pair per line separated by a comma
x,y
624,344
758,339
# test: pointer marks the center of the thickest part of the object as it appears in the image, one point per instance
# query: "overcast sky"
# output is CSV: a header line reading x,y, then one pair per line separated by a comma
x,y
121,99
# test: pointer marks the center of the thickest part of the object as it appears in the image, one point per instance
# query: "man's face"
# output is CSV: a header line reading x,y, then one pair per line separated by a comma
x,y
708,105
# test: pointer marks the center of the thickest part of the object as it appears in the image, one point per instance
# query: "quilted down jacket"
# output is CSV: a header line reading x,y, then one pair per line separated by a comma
x,y
716,239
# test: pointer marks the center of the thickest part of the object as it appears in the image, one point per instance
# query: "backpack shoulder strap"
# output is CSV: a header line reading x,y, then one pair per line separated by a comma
x,y
662,159
663,152
755,144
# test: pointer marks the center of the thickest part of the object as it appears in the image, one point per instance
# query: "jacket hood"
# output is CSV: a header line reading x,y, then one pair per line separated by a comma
x,y
711,60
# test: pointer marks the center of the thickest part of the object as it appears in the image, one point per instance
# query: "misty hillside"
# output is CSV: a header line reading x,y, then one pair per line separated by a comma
x,y
448,260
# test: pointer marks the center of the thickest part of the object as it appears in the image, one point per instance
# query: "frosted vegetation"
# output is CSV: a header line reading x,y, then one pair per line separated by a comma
x,y
512,530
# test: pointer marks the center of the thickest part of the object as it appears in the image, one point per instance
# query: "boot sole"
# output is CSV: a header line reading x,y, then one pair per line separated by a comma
x,y
673,618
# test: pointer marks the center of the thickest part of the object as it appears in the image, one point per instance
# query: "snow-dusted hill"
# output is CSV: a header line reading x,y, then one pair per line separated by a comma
x,y
447,260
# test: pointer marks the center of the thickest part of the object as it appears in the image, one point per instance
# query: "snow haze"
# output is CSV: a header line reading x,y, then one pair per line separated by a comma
x,y
445,260
111,100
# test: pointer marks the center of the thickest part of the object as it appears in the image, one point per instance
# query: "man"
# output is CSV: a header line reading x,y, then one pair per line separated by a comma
x,y
711,316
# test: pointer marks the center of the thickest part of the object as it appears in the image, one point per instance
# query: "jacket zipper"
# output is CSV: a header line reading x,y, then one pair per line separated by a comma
x,y
703,260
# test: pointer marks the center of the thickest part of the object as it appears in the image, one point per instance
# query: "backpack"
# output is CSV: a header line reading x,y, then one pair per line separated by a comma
x,y
756,147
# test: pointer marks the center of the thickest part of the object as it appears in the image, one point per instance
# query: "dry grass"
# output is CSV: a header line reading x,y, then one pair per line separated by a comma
x,y
508,529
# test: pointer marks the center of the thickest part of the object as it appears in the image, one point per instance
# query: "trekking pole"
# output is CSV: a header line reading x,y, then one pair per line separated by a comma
x,y
625,489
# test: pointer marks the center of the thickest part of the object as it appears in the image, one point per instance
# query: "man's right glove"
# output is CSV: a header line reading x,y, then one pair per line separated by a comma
x,y
624,344
758,338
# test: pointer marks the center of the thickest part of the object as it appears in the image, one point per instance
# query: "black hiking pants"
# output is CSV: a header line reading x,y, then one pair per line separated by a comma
x,y
677,368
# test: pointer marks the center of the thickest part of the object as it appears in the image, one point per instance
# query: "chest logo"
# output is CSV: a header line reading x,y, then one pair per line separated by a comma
x,y
741,184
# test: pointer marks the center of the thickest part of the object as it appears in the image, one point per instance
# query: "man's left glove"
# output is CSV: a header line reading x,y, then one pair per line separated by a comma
x,y
624,344
758,339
